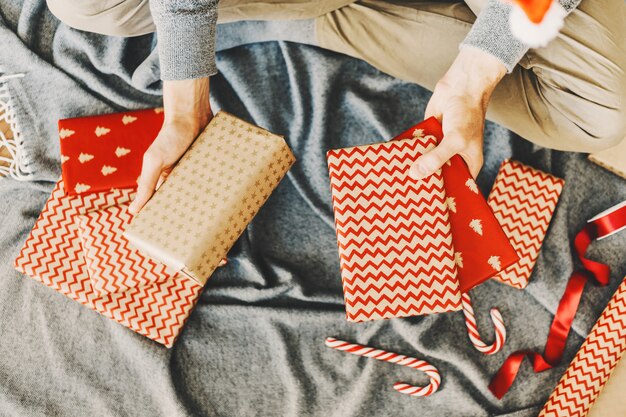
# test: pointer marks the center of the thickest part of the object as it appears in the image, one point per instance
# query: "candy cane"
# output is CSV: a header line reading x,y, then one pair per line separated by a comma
x,y
472,329
381,355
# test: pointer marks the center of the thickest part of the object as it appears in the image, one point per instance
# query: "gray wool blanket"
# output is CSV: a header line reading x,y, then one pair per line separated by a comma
x,y
254,346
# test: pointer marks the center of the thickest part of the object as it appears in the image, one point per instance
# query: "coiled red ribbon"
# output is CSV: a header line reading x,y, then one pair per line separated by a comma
x,y
603,225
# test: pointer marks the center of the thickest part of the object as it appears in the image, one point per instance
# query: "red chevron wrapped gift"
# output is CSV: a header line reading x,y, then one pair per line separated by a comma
x,y
112,264
393,233
103,152
481,247
53,255
593,364
523,200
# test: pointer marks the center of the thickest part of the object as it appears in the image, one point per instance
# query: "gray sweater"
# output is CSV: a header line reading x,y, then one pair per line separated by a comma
x,y
186,37
491,32
186,34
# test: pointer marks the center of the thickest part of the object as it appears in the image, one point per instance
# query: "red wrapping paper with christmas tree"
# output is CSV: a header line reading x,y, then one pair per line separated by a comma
x,y
106,151
481,247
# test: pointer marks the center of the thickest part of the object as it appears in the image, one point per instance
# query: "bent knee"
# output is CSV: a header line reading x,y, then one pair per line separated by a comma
x,y
610,128
125,18
588,122
603,128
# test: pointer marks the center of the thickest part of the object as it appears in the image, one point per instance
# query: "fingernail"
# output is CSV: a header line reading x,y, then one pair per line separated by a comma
x,y
418,171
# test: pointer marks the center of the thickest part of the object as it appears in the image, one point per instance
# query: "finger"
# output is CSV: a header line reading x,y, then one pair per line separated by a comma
x,y
474,160
150,173
430,162
162,178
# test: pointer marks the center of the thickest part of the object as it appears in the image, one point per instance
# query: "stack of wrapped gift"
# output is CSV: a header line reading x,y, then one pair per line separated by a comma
x,y
78,245
411,247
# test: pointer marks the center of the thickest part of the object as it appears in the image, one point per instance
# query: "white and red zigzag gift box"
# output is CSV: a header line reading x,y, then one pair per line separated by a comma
x,y
523,199
593,364
53,255
393,232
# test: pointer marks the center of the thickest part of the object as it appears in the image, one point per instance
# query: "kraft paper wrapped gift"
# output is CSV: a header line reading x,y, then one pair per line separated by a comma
x,y
481,248
106,151
53,255
211,195
393,232
523,200
596,361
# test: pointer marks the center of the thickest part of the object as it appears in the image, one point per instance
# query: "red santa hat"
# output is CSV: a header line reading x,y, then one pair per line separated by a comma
x,y
536,22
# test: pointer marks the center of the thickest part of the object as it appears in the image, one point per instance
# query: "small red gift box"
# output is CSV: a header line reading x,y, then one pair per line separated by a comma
x,y
106,151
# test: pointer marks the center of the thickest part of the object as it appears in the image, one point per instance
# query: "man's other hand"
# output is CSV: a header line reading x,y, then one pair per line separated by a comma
x,y
187,112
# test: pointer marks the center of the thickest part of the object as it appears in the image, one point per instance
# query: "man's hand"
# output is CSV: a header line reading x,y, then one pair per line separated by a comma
x,y
187,112
460,102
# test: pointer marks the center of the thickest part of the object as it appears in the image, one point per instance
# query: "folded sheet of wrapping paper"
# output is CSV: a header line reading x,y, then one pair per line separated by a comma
x,y
481,248
114,266
106,151
393,232
593,365
54,256
211,196
523,200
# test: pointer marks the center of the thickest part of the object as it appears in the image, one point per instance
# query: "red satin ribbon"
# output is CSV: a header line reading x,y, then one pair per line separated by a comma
x,y
562,322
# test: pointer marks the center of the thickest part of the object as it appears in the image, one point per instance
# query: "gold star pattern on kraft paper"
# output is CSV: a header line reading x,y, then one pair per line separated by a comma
x,y
211,196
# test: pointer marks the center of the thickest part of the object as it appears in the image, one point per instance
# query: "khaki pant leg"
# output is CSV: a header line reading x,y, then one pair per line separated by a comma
x,y
237,10
569,95
133,18
414,41
107,17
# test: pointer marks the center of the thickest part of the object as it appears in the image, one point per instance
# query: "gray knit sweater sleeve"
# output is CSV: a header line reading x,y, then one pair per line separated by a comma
x,y
491,32
186,37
